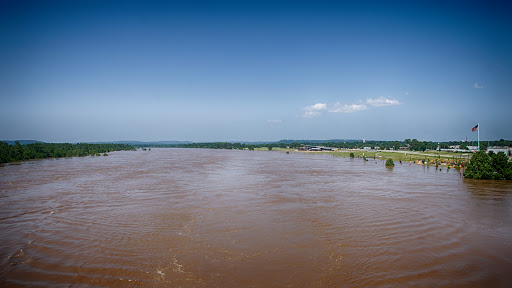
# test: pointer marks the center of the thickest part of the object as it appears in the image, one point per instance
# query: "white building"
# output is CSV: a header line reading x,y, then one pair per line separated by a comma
x,y
473,148
497,149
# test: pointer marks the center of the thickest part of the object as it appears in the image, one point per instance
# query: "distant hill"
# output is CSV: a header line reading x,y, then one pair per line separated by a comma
x,y
22,142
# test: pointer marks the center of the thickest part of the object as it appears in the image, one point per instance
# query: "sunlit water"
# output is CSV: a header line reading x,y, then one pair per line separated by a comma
x,y
225,218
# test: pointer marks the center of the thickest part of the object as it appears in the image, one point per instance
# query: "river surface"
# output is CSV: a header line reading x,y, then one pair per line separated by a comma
x,y
228,218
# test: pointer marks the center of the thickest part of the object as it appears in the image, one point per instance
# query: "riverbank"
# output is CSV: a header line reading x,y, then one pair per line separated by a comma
x,y
17,152
429,157
448,159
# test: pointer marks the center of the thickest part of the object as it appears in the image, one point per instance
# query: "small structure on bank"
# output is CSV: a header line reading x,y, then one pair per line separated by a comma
x,y
315,148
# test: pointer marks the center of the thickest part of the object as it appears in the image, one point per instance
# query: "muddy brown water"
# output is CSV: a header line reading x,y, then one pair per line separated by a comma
x,y
225,218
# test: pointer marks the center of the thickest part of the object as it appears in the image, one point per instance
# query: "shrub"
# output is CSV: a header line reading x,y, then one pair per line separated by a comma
x,y
351,155
390,163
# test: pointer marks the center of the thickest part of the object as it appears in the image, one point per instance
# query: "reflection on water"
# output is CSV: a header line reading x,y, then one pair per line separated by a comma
x,y
215,218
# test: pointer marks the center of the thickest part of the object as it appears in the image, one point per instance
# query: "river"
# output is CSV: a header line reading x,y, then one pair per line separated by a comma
x,y
229,218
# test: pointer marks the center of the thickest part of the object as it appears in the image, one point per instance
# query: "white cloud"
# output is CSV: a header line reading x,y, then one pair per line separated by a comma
x,y
275,121
477,86
318,108
314,110
406,93
381,101
338,108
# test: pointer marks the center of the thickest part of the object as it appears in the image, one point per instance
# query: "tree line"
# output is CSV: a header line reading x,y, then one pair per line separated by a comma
x,y
18,152
229,145
412,144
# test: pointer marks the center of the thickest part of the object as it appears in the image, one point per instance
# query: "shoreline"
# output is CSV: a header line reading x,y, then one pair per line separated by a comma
x,y
428,158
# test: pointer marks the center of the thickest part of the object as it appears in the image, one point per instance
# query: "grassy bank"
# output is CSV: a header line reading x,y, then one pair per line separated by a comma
x,y
428,157
431,157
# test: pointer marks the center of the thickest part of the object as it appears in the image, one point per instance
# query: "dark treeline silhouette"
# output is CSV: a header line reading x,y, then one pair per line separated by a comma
x,y
18,152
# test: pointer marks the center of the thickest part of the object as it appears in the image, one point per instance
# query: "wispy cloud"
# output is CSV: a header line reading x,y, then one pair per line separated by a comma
x,y
314,110
382,101
338,108
319,108
478,86
406,93
275,121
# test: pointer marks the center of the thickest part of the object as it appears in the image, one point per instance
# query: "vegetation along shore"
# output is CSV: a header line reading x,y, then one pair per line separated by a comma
x,y
18,152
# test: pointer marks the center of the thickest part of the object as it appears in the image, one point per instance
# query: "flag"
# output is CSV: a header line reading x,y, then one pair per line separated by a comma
x,y
474,128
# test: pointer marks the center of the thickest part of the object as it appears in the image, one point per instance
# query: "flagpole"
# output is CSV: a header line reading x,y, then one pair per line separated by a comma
x,y
478,136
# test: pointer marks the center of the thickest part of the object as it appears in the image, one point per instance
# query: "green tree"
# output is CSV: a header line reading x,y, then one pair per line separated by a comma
x,y
479,167
17,152
390,163
269,147
29,154
417,145
4,152
351,155
501,166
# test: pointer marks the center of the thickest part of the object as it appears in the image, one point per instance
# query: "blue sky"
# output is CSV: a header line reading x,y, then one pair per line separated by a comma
x,y
76,71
